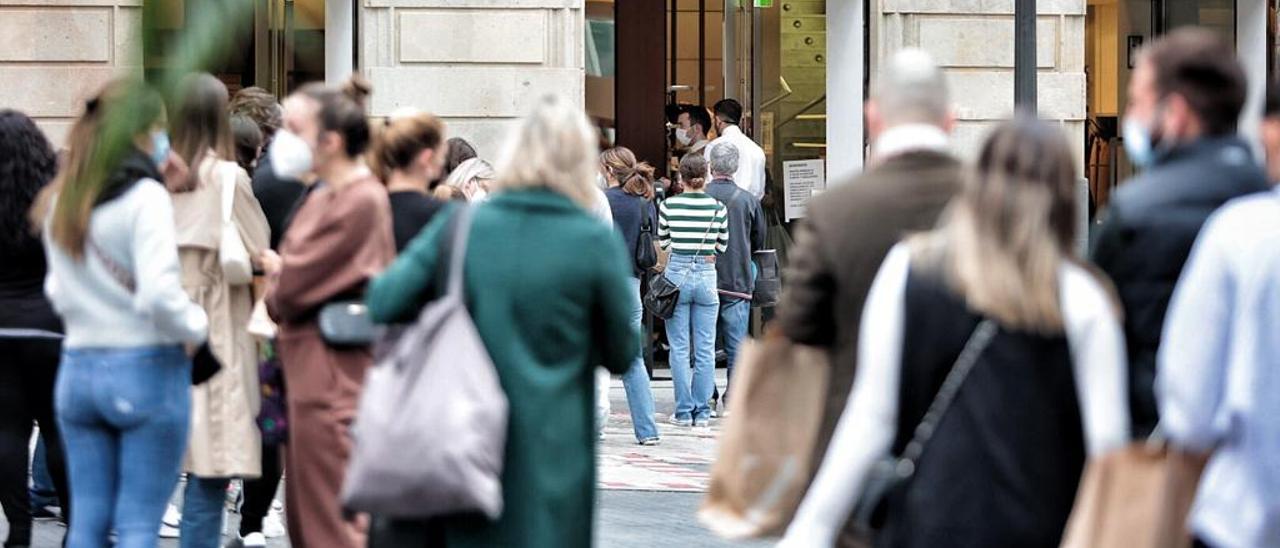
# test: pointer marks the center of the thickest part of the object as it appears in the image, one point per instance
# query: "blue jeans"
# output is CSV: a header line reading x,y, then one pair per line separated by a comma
x,y
124,416
202,503
695,315
636,379
735,314
42,491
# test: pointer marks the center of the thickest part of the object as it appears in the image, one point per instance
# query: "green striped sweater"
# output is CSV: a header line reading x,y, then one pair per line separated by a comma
x,y
693,223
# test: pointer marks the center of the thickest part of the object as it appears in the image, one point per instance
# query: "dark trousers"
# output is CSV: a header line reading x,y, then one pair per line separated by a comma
x,y
28,369
259,493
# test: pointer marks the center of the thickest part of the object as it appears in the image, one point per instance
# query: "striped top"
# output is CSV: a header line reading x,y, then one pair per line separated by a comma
x,y
693,223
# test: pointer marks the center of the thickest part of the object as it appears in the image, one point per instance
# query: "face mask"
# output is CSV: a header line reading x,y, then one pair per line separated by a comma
x,y
682,137
1139,141
290,155
159,147
601,181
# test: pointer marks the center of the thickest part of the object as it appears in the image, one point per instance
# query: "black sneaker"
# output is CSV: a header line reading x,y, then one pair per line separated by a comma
x,y
46,513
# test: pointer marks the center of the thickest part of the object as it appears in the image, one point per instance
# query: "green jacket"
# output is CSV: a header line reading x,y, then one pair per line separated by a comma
x,y
548,288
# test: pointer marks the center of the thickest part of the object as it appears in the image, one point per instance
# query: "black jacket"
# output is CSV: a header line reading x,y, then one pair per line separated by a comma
x,y
1147,235
746,236
278,198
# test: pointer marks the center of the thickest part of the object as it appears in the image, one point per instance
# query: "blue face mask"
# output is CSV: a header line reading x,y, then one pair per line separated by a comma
x,y
159,147
1139,142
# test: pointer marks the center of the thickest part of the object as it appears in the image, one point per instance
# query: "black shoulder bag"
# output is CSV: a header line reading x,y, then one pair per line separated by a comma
x,y
663,294
890,475
646,253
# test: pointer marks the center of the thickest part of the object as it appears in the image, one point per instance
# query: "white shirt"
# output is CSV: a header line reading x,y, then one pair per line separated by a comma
x,y
1218,372
136,231
867,426
751,163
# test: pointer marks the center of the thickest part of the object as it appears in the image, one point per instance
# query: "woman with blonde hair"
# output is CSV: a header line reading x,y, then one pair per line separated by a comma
x,y
123,395
224,441
992,326
472,178
546,285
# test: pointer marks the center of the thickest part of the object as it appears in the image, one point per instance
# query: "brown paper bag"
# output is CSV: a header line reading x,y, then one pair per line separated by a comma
x,y
767,445
1137,497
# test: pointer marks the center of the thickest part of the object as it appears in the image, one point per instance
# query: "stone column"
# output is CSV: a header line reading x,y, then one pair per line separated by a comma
x,y
479,64
1251,43
55,54
973,41
339,40
845,70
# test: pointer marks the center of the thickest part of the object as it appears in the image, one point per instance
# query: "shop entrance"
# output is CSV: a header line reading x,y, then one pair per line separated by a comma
x,y
274,44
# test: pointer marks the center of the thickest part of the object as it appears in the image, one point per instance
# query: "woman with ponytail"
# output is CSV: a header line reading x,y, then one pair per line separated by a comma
x,y
339,237
407,155
694,227
630,197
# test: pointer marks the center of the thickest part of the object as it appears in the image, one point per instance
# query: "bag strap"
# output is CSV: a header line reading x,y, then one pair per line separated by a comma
x,y
458,251
978,341
227,177
646,222
117,271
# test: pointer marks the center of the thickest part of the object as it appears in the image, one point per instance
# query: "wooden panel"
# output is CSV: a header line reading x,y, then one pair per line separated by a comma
x,y
641,76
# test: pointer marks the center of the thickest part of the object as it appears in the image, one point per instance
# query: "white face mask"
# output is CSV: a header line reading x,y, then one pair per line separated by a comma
x,y
290,155
682,137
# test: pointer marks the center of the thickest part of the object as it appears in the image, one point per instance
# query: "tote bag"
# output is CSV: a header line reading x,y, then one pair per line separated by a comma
x,y
232,255
432,423
766,450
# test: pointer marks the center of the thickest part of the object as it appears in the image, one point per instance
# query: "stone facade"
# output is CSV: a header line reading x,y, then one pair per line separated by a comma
x,y
479,64
54,54
973,41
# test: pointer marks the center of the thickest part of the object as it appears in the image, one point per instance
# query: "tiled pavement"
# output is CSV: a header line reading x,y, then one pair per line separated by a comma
x,y
648,495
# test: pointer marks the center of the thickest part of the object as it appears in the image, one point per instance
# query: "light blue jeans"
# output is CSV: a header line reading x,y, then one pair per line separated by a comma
x,y
692,335
735,314
202,503
636,379
124,415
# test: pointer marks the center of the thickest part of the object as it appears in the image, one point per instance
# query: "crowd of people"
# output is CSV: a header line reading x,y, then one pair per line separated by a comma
x,y
166,276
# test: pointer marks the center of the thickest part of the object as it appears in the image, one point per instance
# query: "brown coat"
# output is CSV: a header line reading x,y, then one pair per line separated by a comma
x,y
838,250
337,241
224,439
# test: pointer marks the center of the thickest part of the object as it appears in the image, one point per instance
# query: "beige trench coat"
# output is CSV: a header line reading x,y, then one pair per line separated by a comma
x,y
224,441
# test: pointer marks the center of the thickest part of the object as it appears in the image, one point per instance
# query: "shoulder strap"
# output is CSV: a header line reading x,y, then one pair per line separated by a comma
x,y
646,223
458,250
226,176
978,341
117,271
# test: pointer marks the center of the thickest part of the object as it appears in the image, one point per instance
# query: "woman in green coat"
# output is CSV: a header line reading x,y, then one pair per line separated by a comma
x,y
547,287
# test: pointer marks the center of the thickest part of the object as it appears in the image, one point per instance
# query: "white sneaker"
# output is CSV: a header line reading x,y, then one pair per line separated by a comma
x,y
272,525
169,526
254,540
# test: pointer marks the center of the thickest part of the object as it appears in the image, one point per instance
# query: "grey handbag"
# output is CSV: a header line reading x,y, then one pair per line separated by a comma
x,y
432,424
346,324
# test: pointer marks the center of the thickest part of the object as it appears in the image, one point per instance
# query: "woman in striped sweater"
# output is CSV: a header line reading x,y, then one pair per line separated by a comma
x,y
694,227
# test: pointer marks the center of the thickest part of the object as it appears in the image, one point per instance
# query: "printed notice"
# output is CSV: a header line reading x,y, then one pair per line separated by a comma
x,y
802,180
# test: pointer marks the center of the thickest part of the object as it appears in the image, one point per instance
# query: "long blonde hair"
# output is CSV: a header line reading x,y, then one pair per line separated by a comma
x,y
1002,241
555,148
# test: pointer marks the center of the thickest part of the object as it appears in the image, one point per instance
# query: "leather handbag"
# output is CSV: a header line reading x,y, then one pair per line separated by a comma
x,y
768,285
890,475
430,432
346,324
646,253
663,294
237,269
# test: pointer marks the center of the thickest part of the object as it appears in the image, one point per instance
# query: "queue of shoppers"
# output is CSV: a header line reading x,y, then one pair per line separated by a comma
x,y
981,367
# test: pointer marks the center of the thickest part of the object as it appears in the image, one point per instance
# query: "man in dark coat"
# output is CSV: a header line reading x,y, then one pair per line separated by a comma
x,y
847,233
1185,100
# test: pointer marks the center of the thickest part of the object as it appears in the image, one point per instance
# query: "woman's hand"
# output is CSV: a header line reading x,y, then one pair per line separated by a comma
x,y
270,261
